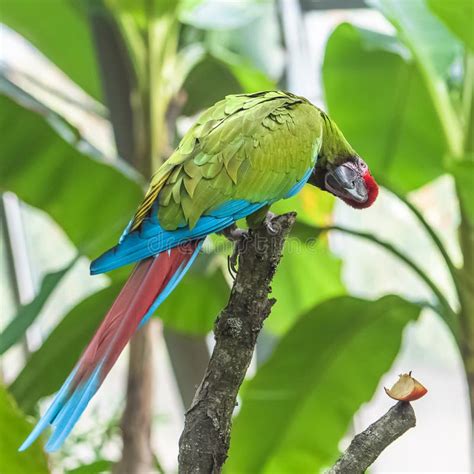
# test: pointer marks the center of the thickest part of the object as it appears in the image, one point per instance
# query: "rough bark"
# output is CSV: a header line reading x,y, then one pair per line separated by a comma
x,y
367,446
204,443
137,456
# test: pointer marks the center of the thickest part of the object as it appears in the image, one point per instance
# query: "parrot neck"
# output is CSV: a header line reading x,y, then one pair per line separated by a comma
x,y
334,147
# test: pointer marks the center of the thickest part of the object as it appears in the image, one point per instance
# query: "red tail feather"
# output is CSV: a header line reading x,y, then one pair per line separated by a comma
x,y
145,284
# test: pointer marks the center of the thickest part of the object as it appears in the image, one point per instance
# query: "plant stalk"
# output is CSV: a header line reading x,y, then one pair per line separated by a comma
x,y
443,308
434,237
137,455
466,241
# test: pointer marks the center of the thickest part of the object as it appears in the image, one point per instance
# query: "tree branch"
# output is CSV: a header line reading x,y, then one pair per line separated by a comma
x,y
367,446
205,440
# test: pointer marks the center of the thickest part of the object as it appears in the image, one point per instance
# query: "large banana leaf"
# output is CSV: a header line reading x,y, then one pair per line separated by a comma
x,y
307,275
90,199
299,405
60,30
431,42
48,367
377,95
458,15
434,49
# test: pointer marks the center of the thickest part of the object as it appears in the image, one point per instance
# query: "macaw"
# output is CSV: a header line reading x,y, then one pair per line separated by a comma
x,y
242,155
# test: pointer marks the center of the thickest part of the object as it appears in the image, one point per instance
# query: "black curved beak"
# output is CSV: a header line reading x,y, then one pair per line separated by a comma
x,y
347,183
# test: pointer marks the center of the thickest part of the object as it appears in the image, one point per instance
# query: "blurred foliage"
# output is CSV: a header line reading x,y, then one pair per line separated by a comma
x,y
419,127
296,295
158,60
393,130
97,467
464,175
14,428
299,405
458,17
196,314
62,23
27,314
48,367
29,167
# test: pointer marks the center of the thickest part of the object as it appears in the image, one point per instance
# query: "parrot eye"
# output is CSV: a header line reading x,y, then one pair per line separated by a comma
x,y
362,166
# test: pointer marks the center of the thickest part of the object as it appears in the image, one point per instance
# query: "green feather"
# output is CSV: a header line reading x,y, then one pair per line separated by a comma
x,y
247,146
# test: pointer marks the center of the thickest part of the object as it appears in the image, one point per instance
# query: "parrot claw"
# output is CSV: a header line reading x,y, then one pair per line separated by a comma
x,y
239,237
239,246
271,228
231,262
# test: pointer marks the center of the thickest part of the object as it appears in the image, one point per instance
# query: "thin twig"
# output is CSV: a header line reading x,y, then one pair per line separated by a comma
x,y
205,440
367,446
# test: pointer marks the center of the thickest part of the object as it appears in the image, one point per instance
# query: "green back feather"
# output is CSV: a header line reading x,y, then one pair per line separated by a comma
x,y
248,146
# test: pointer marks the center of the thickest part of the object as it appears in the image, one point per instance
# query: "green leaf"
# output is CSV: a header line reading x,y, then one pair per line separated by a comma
x,y
463,172
208,82
299,405
195,303
430,41
218,75
244,59
60,30
258,43
434,49
307,275
314,208
250,78
97,467
90,199
28,313
458,15
14,428
385,109
48,367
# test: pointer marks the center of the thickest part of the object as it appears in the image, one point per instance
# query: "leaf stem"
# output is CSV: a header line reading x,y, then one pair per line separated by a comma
x,y
434,237
444,309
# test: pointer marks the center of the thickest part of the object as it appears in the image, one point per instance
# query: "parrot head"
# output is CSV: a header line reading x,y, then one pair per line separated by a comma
x,y
340,171
349,180
352,182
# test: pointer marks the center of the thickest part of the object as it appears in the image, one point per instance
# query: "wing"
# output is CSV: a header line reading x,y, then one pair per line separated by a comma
x,y
251,147
245,152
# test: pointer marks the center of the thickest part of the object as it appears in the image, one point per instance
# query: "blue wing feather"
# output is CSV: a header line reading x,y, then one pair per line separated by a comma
x,y
152,239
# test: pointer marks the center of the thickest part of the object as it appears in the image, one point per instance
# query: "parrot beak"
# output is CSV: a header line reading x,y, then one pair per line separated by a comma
x,y
346,182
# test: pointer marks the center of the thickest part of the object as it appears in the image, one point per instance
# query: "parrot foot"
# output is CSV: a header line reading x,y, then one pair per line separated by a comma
x,y
233,233
267,222
239,246
239,237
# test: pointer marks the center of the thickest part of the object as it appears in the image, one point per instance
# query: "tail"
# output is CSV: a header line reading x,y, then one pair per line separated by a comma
x,y
152,280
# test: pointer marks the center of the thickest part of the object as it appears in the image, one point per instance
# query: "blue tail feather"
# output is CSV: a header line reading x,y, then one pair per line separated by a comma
x,y
51,412
69,405
72,410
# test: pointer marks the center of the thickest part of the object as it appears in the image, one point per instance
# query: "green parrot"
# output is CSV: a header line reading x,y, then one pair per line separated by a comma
x,y
242,155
